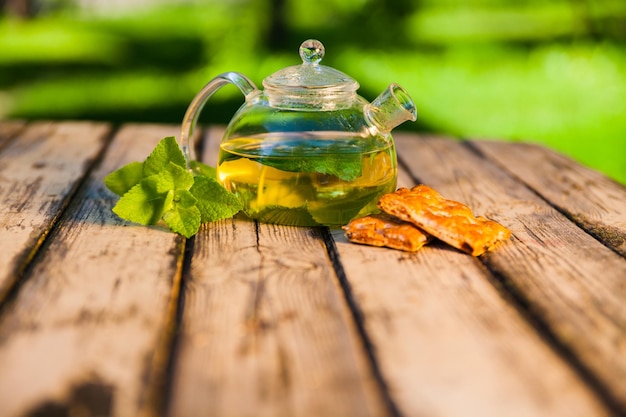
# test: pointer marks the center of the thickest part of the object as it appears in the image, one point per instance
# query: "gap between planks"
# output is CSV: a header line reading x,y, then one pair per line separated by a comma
x,y
582,401
64,301
588,198
268,316
76,162
359,320
516,208
481,388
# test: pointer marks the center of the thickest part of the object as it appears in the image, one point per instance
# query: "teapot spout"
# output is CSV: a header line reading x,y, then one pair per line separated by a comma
x,y
391,108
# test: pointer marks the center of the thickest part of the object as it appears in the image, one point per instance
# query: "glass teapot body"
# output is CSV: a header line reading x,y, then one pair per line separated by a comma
x,y
306,167
306,150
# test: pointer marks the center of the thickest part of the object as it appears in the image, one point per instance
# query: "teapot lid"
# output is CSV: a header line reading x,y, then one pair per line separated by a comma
x,y
310,84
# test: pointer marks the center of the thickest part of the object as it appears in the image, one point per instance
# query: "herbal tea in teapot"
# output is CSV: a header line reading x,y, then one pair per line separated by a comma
x,y
321,178
306,150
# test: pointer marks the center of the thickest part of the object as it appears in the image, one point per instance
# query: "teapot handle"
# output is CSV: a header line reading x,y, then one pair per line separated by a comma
x,y
195,107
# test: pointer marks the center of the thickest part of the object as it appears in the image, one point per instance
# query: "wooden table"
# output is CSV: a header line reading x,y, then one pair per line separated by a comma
x,y
101,317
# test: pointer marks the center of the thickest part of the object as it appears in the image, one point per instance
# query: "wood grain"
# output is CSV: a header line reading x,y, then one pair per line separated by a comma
x,y
264,321
84,335
286,321
265,329
589,198
39,171
447,342
551,264
9,129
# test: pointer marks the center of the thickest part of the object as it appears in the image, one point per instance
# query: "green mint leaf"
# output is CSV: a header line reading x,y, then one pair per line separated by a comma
x,y
161,185
213,200
168,203
183,217
172,177
165,152
346,167
203,169
183,179
142,204
125,178
184,199
341,157
163,188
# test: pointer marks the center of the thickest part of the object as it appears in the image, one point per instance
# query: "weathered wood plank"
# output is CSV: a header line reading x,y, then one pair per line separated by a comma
x,y
447,343
88,331
39,170
9,129
551,264
589,198
265,330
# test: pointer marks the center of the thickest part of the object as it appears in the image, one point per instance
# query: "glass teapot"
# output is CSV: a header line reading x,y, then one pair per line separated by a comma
x,y
307,150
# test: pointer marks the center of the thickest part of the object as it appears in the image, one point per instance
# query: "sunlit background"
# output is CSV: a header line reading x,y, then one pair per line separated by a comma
x,y
552,72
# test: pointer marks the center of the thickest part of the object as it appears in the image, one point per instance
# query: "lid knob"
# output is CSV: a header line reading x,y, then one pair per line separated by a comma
x,y
310,85
311,51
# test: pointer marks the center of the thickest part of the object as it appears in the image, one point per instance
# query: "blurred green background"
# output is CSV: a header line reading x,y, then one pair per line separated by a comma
x,y
552,72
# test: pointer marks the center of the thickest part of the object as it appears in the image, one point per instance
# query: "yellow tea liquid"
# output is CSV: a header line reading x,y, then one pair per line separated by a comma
x,y
317,179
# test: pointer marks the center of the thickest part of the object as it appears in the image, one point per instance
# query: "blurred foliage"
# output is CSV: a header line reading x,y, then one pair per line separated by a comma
x,y
547,71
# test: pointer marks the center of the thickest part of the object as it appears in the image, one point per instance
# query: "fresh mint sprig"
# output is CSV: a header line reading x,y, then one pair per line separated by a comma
x,y
161,188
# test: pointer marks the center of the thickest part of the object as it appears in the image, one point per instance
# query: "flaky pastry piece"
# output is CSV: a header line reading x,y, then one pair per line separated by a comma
x,y
447,220
385,230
